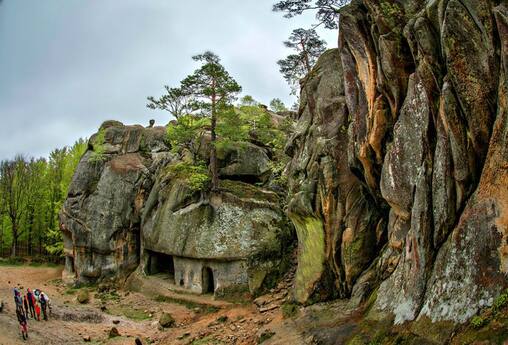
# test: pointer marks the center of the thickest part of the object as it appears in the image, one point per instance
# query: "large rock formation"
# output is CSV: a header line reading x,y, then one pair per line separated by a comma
x,y
397,178
129,204
398,175
100,220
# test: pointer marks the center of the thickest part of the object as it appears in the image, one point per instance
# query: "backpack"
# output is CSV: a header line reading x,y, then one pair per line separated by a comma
x,y
18,300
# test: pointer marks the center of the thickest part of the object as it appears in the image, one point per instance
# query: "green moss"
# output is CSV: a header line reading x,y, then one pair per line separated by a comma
x,y
196,176
108,296
98,146
238,294
393,15
477,321
311,256
501,301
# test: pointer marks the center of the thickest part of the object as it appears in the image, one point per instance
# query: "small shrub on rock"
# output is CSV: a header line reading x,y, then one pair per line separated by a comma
x,y
166,320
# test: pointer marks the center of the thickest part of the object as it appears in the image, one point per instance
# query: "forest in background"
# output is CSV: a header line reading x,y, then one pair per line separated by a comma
x,y
31,194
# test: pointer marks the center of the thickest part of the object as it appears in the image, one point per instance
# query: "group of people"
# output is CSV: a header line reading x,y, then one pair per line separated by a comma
x,y
30,305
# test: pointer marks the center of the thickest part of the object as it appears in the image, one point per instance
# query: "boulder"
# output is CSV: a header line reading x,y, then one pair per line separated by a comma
x,y
83,296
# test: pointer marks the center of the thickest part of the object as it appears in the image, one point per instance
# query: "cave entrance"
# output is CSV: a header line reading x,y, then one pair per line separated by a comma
x,y
208,283
162,265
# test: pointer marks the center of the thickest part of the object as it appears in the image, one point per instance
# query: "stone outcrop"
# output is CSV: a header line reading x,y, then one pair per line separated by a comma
x,y
127,208
399,160
396,180
101,217
336,219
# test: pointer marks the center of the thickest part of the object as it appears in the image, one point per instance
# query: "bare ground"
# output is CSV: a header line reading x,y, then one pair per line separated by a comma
x,y
199,320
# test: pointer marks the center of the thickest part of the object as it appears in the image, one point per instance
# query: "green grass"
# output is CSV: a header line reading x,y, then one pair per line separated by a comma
x,y
108,296
203,308
265,336
289,310
129,312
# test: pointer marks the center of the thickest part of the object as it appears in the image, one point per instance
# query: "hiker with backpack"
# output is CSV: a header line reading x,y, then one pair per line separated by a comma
x,y
44,301
18,301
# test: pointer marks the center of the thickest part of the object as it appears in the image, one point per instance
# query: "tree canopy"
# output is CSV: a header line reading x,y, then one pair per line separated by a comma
x,y
277,105
175,100
212,90
308,47
327,11
32,192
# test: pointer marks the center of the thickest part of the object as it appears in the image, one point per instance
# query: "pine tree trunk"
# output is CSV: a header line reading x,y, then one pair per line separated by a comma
x,y
213,150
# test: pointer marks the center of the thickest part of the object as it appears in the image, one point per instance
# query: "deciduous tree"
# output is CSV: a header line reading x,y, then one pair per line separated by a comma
x,y
175,100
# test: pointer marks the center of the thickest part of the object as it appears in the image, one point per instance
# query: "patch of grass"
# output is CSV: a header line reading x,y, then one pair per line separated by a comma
x,y
71,291
478,321
203,308
129,312
108,296
289,310
501,301
265,336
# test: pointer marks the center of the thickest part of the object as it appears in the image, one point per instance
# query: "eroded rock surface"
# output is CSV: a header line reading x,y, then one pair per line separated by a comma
x,y
126,209
397,181
100,220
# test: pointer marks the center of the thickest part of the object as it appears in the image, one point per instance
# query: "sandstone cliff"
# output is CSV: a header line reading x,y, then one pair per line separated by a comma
x,y
398,176
397,183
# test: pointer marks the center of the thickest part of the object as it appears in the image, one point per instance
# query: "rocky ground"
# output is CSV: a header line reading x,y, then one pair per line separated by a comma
x,y
198,319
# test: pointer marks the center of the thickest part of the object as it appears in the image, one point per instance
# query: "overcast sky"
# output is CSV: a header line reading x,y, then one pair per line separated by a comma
x,y
68,65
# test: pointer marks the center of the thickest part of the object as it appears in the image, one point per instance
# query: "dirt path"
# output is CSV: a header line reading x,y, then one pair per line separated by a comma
x,y
199,320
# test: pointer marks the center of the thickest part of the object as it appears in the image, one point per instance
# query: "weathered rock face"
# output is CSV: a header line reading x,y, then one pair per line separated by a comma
x,y
124,209
241,234
335,217
100,219
398,176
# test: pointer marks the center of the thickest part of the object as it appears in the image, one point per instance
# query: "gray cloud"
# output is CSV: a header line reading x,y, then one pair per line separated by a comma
x,y
68,65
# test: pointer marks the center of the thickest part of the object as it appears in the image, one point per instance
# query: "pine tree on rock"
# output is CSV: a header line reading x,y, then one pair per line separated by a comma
x,y
327,10
212,89
308,47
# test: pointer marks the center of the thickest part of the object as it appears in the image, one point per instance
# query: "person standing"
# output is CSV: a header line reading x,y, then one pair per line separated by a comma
x,y
31,302
18,301
43,300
